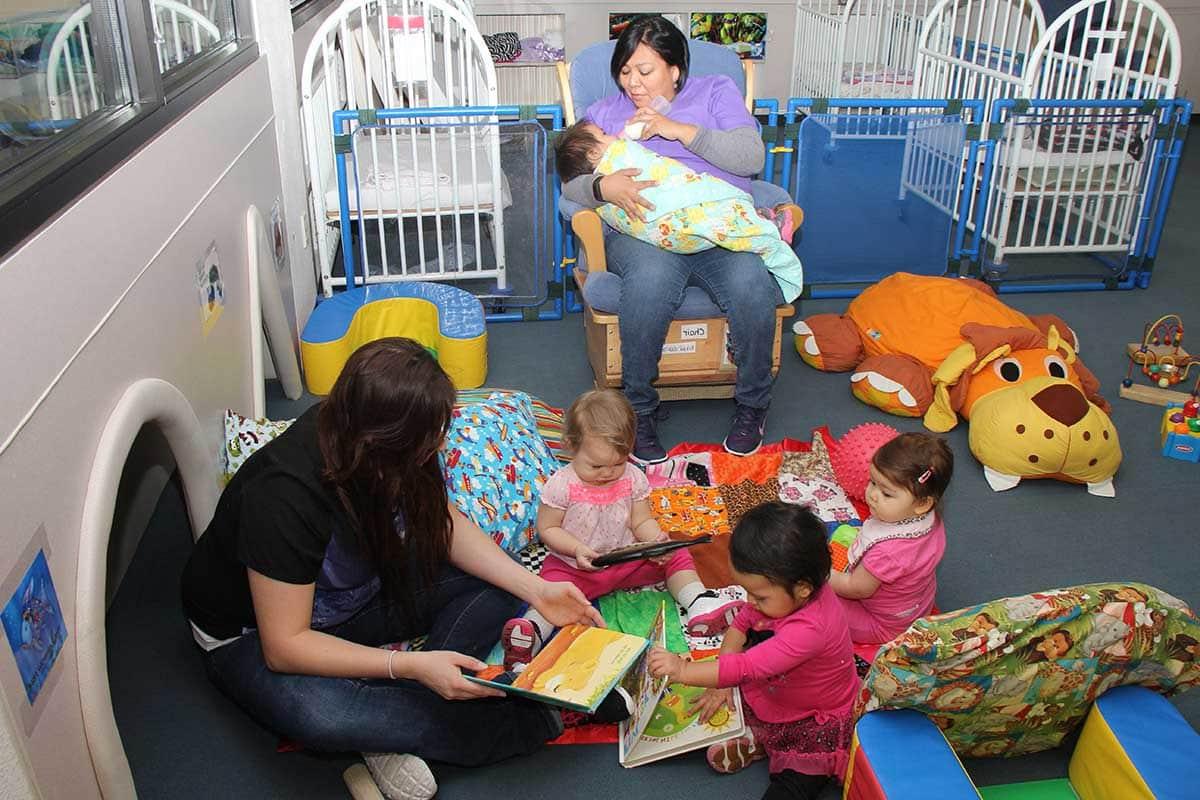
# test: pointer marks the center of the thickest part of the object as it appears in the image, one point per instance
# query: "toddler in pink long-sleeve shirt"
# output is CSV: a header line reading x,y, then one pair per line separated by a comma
x,y
789,651
891,578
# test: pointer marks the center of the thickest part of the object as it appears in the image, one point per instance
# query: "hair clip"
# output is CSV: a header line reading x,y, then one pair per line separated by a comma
x,y
926,475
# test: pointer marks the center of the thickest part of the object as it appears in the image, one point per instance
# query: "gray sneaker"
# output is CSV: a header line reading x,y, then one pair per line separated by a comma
x,y
400,776
746,432
646,447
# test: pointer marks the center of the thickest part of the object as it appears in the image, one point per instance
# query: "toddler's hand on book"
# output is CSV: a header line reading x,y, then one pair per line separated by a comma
x,y
664,664
711,702
441,671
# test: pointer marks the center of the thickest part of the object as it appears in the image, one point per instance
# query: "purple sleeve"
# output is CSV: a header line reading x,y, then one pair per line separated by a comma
x,y
792,645
727,107
556,492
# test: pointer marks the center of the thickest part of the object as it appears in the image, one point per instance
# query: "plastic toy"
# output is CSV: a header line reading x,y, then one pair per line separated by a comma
x,y
1162,359
448,321
943,347
1181,431
852,454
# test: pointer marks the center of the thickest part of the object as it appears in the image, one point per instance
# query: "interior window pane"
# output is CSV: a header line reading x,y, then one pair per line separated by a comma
x,y
183,29
57,67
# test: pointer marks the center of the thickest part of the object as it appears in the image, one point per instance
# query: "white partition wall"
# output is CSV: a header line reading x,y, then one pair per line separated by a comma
x,y
107,295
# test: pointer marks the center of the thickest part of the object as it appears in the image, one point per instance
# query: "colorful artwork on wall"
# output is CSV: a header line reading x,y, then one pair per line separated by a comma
x,y
744,33
617,23
33,623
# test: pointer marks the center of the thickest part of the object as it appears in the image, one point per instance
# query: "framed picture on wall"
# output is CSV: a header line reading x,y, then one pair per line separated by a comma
x,y
617,23
744,33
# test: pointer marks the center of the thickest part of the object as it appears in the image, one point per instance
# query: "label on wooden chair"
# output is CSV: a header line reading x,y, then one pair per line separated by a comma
x,y
693,331
674,348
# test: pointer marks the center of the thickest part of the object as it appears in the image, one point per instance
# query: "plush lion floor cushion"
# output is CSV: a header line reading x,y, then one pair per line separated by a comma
x,y
1016,675
499,450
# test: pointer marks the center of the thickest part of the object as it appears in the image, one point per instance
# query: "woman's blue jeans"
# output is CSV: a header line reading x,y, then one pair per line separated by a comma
x,y
653,281
460,612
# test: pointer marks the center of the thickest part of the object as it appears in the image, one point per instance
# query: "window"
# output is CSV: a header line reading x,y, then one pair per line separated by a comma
x,y
83,84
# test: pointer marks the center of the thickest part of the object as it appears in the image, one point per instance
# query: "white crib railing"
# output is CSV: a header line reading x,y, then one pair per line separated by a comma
x,y
864,48
447,181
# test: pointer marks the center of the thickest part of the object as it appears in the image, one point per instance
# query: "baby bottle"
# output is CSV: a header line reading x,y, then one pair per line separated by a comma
x,y
634,130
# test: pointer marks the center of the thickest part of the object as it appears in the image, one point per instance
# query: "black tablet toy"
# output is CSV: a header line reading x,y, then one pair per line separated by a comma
x,y
646,550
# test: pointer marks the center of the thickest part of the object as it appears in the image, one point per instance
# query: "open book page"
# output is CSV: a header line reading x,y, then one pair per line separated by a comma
x,y
644,688
672,728
576,669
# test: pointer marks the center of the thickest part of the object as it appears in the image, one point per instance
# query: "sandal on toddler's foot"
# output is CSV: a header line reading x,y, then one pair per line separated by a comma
x,y
520,642
710,614
734,755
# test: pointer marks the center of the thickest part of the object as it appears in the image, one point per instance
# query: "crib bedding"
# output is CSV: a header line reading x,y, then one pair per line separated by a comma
x,y
872,80
390,181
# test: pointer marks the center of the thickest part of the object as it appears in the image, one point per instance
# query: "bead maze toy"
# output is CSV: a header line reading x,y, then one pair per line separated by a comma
x,y
1181,431
1162,359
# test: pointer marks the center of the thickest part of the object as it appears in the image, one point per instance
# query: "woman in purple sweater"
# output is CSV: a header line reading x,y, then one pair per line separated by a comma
x,y
705,126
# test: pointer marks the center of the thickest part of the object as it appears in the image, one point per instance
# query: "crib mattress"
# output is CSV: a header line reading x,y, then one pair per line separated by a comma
x,y
393,182
1080,162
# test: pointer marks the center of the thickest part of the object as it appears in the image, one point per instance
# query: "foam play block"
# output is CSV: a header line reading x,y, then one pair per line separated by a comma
x,y
446,320
1053,789
901,755
1135,745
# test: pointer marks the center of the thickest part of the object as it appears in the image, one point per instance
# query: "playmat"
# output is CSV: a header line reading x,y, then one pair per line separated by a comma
x,y
700,489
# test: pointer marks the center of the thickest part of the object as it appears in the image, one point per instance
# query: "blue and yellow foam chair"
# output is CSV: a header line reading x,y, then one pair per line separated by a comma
x,y
445,319
1135,745
1018,675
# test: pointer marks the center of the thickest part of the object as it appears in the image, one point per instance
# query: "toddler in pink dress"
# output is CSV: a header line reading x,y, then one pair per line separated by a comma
x,y
599,502
789,651
891,577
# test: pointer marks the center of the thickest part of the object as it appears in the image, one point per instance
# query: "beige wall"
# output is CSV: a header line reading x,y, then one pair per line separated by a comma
x,y
587,23
105,295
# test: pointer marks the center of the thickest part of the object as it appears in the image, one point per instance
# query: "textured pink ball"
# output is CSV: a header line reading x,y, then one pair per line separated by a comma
x,y
851,455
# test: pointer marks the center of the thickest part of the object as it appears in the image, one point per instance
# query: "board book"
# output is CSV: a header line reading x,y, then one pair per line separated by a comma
x,y
646,550
662,724
576,669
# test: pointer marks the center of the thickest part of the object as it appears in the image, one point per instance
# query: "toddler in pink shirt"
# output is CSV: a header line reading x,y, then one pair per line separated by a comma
x,y
599,502
891,577
789,651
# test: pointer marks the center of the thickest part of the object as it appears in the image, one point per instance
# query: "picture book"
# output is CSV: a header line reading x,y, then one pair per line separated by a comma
x,y
662,724
576,669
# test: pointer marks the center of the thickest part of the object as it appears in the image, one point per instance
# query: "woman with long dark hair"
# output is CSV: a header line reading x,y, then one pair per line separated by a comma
x,y
701,121
338,537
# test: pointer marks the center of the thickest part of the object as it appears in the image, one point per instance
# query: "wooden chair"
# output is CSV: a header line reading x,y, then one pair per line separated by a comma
x,y
695,361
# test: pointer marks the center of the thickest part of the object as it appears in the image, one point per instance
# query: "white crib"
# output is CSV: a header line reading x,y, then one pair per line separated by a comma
x,y
1066,179
434,181
856,48
1076,179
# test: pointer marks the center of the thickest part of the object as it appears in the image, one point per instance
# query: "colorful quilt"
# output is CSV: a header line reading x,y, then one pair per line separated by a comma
x,y
1016,675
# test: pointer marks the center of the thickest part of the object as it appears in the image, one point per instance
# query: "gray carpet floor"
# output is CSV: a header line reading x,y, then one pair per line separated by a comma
x,y
184,739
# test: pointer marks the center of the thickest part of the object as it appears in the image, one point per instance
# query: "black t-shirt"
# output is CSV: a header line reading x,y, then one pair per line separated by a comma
x,y
276,517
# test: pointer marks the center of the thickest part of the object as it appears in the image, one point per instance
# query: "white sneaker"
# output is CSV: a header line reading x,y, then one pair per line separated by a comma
x,y
710,614
401,776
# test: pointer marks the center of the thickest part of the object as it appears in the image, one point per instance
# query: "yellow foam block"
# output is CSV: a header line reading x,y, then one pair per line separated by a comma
x,y
446,320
